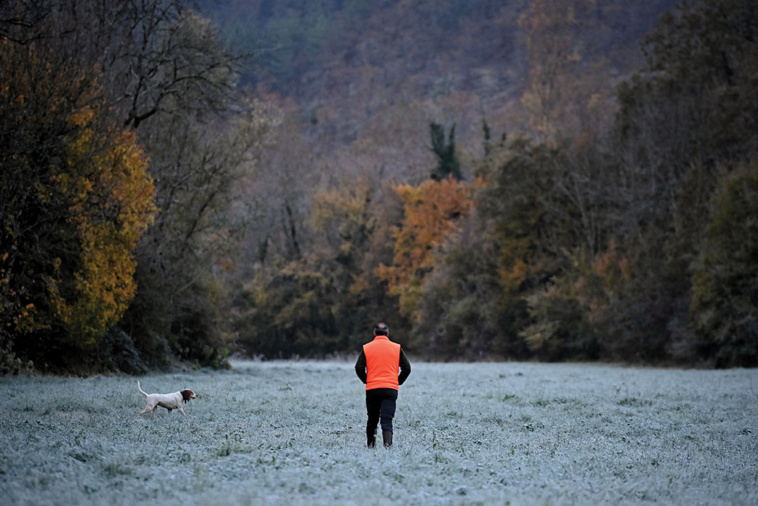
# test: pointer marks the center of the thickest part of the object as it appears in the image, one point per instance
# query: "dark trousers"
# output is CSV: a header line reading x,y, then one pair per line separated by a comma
x,y
380,404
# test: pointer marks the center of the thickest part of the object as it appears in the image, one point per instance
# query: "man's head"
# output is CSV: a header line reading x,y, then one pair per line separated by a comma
x,y
381,329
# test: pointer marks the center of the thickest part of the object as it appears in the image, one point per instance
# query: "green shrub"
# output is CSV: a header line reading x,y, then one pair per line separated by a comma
x,y
559,330
725,276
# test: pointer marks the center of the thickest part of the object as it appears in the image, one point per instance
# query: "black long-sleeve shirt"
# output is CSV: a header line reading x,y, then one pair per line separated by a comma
x,y
405,367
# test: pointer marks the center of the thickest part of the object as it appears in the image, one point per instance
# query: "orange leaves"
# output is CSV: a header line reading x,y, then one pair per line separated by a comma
x,y
600,281
512,278
613,267
432,210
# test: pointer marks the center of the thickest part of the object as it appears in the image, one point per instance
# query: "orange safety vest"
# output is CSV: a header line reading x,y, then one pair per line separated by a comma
x,y
382,363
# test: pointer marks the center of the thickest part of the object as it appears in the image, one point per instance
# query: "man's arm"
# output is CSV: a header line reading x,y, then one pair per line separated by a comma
x,y
360,367
405,368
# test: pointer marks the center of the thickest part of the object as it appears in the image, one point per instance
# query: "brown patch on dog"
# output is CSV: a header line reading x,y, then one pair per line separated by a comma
x,y
188,395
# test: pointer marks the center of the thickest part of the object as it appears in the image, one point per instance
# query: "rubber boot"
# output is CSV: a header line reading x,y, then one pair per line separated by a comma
x,y
371,439
387,435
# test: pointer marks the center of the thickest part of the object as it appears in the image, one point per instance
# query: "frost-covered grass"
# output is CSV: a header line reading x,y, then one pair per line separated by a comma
x,y
293,433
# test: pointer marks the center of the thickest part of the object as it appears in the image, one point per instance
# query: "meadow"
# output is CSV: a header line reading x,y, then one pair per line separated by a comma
x,y
276,433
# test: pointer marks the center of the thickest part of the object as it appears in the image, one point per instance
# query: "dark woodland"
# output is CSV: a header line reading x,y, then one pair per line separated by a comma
x,y
551,180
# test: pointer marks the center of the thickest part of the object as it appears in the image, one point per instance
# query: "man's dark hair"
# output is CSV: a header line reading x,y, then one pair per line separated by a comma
x,y
381,329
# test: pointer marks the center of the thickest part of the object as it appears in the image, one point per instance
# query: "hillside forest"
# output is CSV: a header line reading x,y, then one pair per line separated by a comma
x,y
551,180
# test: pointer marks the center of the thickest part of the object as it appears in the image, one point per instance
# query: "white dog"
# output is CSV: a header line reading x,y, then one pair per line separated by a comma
x,y
168,401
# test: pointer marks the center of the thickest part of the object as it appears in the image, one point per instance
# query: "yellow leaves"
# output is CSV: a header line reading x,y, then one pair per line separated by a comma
x,y
131,188
105,284
116,179
90,189
81,117
110,199
340,205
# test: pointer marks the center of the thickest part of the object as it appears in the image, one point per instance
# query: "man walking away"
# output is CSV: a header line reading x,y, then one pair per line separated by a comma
x,y
383,367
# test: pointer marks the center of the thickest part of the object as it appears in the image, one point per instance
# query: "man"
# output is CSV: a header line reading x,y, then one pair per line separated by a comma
x,y
383,367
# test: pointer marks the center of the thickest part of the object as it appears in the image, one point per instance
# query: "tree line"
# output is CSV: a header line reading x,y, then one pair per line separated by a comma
x,y
155,211
622,234
125,145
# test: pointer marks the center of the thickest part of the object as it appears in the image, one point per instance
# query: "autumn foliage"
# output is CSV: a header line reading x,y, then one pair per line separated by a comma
x,y
432,212
110,205
605,212
75,198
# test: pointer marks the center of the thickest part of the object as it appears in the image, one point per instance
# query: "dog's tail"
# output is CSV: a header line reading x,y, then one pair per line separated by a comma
x,y
140,389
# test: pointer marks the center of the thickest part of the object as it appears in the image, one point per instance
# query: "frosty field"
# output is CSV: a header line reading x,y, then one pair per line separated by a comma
x,y
293,433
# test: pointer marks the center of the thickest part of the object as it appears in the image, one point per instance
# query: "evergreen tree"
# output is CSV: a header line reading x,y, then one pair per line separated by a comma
x,y
447,160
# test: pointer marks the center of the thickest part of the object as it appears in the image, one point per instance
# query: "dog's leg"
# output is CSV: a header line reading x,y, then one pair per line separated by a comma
x,y
169,410
155,411
181,410
144,411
